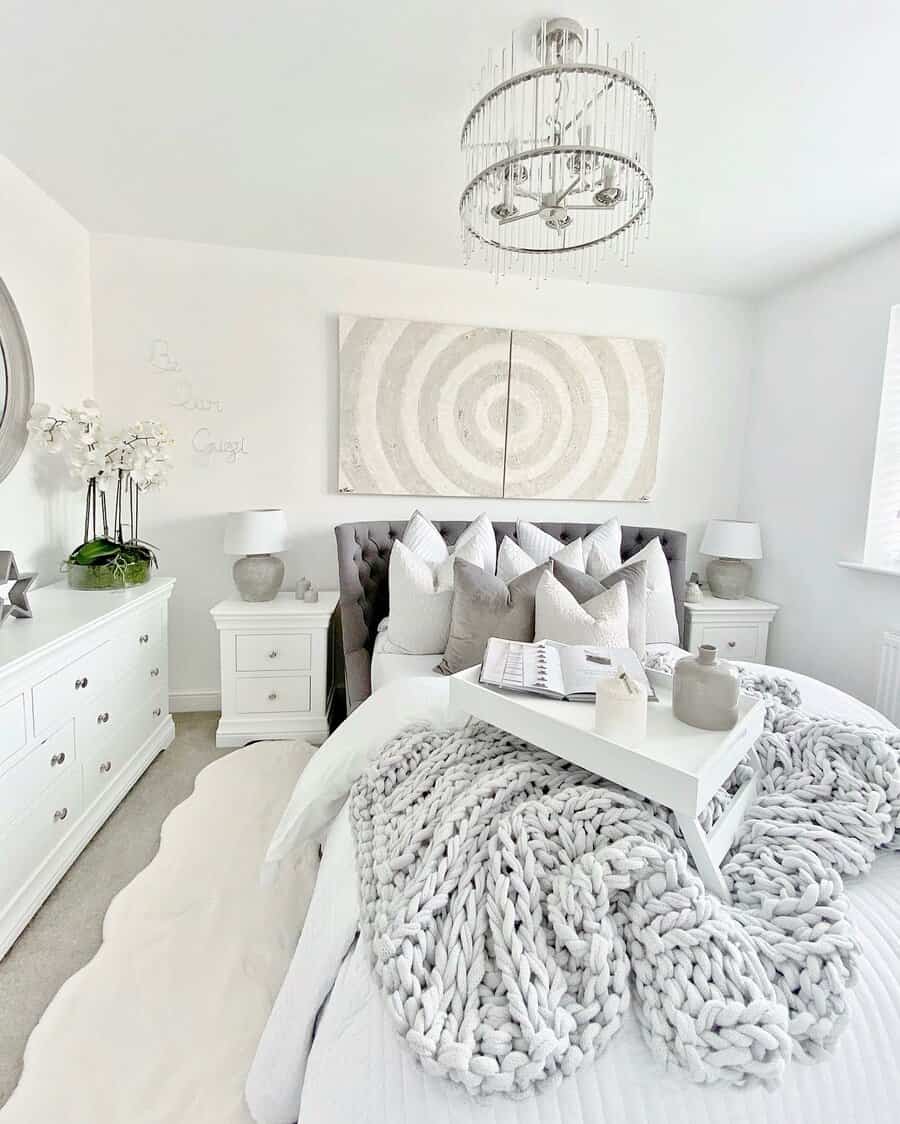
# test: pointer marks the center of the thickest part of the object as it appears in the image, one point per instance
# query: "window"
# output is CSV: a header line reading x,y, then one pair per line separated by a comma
x,y
883,527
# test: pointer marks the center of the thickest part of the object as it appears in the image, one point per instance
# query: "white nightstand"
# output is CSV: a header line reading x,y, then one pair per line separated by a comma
x,y
739,629
273,666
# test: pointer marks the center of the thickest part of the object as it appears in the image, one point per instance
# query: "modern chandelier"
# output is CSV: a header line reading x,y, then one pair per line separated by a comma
x,y
559,155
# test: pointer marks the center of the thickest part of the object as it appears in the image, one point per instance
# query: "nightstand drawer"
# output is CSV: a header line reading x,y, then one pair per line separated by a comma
x,y
272,695
736,642
272,652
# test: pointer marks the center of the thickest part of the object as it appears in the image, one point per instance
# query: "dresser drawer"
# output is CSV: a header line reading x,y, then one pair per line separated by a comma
x,y
272,695
59,695
736,642
31,840
289,651
21,785
12,727
105,758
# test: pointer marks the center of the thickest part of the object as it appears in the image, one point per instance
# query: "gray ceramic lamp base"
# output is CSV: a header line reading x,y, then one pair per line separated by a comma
x,y
258,577
728,578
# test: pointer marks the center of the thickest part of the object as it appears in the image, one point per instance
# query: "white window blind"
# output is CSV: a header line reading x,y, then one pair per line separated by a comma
x,y
883,527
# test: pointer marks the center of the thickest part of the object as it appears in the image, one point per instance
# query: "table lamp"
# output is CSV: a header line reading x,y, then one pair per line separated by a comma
x,y
257,535
732,542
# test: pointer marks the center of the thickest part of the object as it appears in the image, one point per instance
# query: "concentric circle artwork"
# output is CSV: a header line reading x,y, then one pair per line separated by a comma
x,y
455,410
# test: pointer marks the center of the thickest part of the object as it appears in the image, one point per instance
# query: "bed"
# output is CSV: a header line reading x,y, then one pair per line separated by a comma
x,y
330,1052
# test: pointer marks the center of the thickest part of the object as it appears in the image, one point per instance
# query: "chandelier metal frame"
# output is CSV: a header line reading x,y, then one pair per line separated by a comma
x,y
549,135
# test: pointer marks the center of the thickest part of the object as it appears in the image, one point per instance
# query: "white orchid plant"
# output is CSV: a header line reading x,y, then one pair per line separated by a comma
x,y
117,468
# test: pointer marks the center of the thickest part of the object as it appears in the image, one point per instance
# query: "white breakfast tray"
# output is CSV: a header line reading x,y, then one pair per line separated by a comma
x,y
676,765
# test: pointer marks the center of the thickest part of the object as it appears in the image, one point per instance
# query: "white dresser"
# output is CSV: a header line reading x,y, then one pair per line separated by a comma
x,y
274,669
739,629
83,711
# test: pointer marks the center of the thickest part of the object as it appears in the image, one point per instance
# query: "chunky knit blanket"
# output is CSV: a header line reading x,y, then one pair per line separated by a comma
x,y
514,903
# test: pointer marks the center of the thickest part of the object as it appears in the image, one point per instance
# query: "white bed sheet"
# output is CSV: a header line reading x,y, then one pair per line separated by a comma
x,y
348,1063
388,666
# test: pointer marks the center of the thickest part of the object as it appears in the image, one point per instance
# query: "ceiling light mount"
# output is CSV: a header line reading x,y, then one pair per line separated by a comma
x,y
559,155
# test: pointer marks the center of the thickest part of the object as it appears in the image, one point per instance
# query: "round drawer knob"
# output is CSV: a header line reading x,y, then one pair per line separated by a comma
x,y
145,639
57,759
732,643
157,712
273,655
154,671
103,718
60,814
105,766
273,695
81,683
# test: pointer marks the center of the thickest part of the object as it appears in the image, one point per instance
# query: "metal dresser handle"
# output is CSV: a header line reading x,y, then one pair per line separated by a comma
x,y
60,814
57,759
157,712
732,643
273,655
273,695
102,718
145,639
79,683
154,671
105,766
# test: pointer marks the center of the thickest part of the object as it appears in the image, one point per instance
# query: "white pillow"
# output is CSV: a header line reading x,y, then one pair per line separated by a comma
x,y
326,781
420,603
607,539
424,539
662,623
512,560
477,544
602,621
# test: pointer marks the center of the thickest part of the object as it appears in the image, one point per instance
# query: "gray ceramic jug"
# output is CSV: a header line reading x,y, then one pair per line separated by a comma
x,y
705,690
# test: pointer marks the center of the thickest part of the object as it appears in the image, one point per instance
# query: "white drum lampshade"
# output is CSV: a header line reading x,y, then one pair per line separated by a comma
x,y
731,541
257,535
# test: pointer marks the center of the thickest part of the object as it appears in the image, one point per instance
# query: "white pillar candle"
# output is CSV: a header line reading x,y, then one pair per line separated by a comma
x,y
621,709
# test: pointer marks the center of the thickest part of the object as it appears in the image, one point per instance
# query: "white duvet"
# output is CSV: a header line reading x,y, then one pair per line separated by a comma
x,y
330,1055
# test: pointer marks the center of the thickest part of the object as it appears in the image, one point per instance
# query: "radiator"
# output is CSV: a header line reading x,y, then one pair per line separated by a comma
x,y
887,694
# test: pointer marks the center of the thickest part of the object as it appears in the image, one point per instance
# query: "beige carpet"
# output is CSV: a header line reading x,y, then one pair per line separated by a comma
x,y
161,1024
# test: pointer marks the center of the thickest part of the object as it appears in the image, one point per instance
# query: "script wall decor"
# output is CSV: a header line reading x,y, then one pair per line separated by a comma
x,y
456,410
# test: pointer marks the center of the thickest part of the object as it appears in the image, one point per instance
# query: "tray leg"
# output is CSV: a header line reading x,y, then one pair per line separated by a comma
x,y
698,845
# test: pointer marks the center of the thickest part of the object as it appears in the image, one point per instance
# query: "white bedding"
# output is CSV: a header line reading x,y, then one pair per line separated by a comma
x,y
352,1066
388,666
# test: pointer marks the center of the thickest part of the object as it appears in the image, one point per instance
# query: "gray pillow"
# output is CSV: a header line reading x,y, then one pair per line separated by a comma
x,y
485,606
634,574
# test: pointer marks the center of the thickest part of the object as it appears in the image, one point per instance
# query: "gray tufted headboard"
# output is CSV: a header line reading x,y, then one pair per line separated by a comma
x,y
365,548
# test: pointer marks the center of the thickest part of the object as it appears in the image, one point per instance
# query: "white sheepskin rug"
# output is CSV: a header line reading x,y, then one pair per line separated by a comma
x,y
161,1026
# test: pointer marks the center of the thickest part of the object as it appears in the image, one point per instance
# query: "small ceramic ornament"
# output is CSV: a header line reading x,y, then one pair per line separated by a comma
x,y
706,690
302,586
692,591
311,595
15,601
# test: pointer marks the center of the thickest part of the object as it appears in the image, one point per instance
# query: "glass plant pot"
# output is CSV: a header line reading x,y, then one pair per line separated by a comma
x,y
110,575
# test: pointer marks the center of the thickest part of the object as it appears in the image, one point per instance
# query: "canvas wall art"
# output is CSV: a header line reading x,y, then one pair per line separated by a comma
x,y
456,410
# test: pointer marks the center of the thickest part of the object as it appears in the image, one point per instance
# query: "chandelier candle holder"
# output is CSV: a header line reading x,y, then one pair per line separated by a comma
x,y
559,155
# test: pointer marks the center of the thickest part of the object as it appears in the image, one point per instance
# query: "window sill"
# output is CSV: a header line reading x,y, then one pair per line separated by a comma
x,y
889,571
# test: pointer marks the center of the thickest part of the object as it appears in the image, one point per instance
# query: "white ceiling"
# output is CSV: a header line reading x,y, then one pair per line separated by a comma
x,y
333,128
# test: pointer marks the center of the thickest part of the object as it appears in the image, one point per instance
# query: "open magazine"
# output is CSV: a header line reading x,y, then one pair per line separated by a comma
x,y
559,671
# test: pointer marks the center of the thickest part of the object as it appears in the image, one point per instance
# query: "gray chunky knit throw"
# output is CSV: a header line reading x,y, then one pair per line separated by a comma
x,y
514,902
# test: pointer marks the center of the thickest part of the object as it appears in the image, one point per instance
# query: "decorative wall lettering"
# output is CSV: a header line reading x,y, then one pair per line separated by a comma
x,y
207,448
161,356
182,396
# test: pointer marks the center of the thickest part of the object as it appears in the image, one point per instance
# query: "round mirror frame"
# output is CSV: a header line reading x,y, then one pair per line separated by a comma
x,y
19,384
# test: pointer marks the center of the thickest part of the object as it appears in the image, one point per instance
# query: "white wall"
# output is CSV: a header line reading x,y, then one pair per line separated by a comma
x,y
257,333
45,264
808,466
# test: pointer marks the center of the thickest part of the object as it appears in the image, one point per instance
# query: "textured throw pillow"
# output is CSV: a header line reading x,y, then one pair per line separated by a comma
x,y
633,575
420,603
607,539
512,560
603,620
424,539
485,606
662,622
